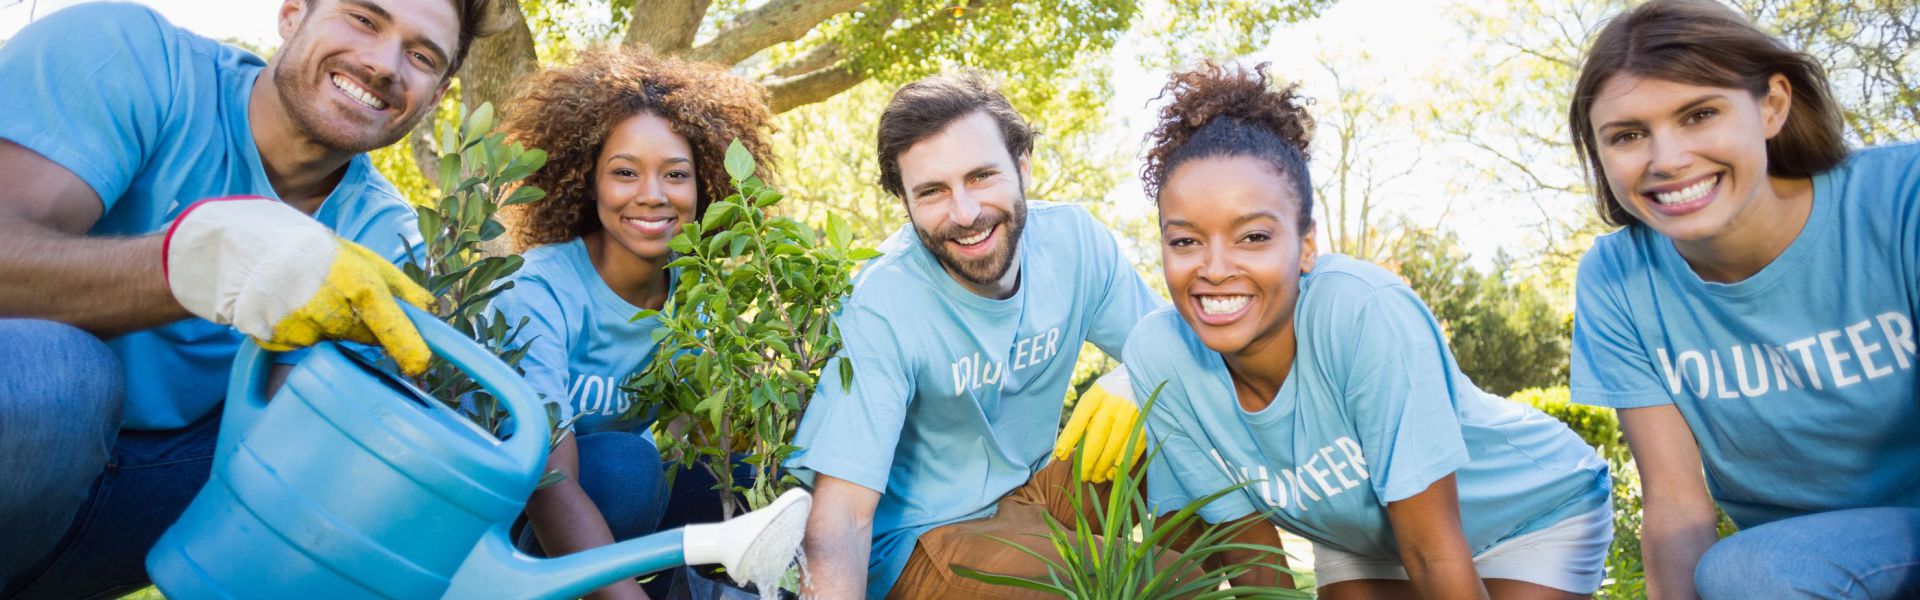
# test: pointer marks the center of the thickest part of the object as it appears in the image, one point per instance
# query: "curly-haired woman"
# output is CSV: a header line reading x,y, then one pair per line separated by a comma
x,y
1752,320
1325,386
635,148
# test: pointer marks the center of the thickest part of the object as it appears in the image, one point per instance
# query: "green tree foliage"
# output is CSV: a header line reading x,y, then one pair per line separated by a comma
x,y
1504,331
808,51
1871,49
746,332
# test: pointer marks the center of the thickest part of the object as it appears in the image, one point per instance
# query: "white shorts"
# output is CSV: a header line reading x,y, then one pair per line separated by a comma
x,y
1570,555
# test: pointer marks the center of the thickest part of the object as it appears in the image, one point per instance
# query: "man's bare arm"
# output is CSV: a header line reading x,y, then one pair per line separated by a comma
x,y
839,538
51,270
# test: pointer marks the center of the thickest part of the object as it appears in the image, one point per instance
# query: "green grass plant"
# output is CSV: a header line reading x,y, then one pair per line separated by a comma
x,y
1117,553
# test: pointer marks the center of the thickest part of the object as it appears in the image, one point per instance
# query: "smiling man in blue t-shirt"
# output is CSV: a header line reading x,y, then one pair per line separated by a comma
x,y
126,290
963,337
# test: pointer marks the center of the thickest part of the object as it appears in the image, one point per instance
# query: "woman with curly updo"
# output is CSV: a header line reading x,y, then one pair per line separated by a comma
x,y
1325,386
635,148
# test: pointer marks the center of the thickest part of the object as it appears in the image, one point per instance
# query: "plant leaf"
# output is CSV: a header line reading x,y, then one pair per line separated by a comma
x,y
480,122
739,161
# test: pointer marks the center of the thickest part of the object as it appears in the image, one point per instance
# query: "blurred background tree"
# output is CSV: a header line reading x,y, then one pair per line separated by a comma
x,y
1053,54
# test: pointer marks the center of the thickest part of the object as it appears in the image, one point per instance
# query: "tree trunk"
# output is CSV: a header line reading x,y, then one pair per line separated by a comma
x,y
422,145
496,63
667,26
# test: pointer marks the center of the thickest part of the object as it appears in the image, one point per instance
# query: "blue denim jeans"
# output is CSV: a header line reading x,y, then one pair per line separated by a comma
x,y
1854,553
620,471
80,505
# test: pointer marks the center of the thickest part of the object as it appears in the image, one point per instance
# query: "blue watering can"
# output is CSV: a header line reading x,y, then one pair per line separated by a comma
x,y
351,483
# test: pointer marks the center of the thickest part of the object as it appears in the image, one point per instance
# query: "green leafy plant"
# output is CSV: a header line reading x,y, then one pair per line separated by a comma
x,y
1116,554
744,335
479,174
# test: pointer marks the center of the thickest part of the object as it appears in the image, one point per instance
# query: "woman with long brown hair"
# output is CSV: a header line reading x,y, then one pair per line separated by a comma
x,y
1752,318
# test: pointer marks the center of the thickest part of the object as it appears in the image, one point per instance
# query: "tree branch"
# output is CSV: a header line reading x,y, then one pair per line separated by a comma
x,y
821,84
820,57
793,92
666,26
777,21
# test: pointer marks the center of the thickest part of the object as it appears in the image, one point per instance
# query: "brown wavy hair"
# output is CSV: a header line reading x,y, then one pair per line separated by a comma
x,y
569,111
1228,110
1701,42
923,108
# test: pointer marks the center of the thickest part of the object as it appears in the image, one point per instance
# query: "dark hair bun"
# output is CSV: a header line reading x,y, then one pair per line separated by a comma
x,y
1214,90
1228,110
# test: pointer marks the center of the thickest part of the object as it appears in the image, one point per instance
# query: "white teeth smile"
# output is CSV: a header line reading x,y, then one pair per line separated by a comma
x,y
1223,305
974,239
358,93
1689,193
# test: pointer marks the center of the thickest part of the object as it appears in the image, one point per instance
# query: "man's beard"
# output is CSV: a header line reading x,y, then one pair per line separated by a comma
x,y
301,94
985,270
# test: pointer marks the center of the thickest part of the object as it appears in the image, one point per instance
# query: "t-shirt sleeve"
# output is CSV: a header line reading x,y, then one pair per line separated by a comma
x,y
1122,298
1609,367
96,108
1906,200
544,336
1180,471
1399,391
850,431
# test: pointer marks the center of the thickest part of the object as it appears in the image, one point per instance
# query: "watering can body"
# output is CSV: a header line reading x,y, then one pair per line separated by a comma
x,y
351,483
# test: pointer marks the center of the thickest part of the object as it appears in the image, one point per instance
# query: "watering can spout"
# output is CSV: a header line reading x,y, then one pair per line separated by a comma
x,y
769,537
756,546
496,570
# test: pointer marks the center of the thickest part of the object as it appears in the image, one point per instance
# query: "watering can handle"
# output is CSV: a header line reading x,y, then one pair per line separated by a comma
x,y
246,389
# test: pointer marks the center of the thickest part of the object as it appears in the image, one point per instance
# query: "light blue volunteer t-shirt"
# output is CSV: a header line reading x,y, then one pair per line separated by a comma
x,y
1798,382
1374,410
153,118
582,341
956,397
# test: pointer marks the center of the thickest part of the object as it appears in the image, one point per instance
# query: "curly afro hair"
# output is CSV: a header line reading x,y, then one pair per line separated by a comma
x,y
1220,110
569,111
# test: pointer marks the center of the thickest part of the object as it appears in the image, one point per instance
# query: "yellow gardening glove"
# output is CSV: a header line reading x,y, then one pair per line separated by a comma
x,y
1104,416
355,303
284,279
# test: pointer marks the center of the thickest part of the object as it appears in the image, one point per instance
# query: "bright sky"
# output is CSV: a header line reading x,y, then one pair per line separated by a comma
x,y
1400,39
